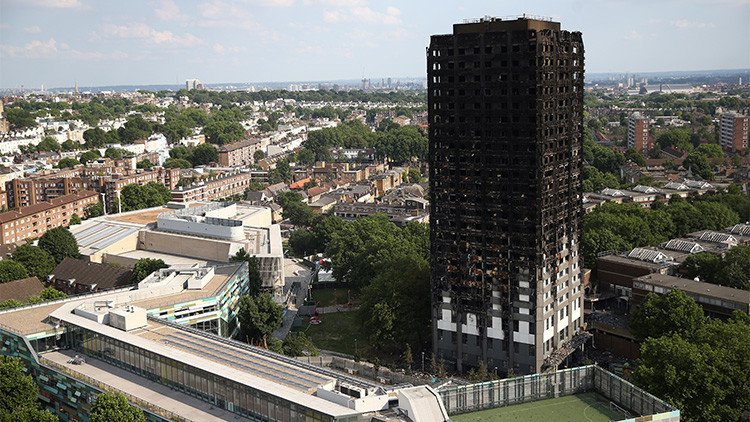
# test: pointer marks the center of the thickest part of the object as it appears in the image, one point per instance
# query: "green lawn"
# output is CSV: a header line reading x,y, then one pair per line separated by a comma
x,y
337,333
335,296
585,407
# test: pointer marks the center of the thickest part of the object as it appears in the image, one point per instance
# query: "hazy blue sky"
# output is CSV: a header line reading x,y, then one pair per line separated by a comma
x,y
107,42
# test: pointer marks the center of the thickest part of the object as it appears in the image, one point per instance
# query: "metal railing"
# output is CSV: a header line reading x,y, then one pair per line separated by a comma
x,y
269,354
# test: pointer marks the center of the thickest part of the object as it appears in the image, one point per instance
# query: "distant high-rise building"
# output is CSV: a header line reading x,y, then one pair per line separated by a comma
x,y
192,84
365,84
505,102
734,131
638,135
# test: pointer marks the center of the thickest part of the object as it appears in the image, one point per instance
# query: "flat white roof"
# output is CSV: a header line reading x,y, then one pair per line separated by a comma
x,y
65,314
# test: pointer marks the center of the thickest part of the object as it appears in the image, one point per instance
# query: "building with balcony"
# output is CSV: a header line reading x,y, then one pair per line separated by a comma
x,y
33,221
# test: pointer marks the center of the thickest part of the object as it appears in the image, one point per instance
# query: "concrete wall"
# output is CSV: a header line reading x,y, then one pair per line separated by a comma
x,y
127,244
170,243
201,228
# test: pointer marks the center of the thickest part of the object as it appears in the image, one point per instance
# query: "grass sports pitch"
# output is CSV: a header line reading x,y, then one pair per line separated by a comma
x,y
585,407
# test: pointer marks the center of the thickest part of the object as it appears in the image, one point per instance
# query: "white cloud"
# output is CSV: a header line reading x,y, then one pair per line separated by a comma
x,y
167,10
51,48
684,23
59,4
36,49
150,35
33,29
222,49
633,35
224,14
277,3
332,16
357,12
344,3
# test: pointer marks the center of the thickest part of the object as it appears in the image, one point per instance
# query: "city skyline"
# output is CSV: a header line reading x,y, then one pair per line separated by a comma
x,y
57,42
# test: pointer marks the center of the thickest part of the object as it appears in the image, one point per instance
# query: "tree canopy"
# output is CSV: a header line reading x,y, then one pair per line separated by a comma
x,y
620,227
59,243
259,316
18,394
255,281
706,374
135,197
731,270
11,270
144,267
661,315
36,260
115,407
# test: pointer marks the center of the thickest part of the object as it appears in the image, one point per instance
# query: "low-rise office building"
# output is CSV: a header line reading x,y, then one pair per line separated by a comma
x,y
163,345
33,221
208,233
716,300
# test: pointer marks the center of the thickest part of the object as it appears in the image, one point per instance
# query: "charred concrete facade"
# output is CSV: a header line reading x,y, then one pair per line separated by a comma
x,y
505,105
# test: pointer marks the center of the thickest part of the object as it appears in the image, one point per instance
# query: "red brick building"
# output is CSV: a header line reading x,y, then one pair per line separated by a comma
x,y
33,221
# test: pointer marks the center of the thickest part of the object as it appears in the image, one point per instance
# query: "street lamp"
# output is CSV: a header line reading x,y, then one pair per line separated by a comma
x,y
422,361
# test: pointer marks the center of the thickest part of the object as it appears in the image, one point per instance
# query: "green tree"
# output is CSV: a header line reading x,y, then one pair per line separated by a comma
x,y
145,164
67,163
71,145
136,197
11,270
222,132
395,308
675,137
75,219
18,394
706,376
179,152
698,164
204,154
177,163
258,155
46,295
115,407
710,150
36,260
703,265
59,243
19,118
116,153
134,129
663,315
298,213
94,210
259,316
255,281
298,344
635,156
95,138
716,216
144,267
412,176
92,155
735,268
48,144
